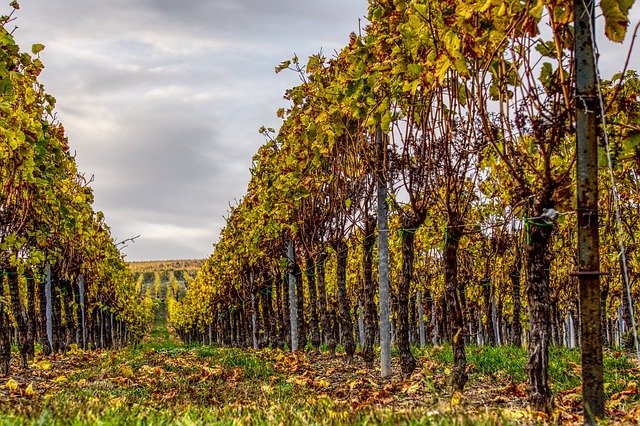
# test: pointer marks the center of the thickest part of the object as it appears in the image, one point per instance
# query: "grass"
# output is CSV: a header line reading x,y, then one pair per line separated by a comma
x,y
509,363
269,416
162,382
159,384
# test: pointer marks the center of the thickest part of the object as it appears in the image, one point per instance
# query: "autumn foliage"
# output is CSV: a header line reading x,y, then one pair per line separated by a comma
x,y
476,103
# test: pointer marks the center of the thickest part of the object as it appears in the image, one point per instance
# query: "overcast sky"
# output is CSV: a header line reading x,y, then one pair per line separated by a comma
x,y
162,100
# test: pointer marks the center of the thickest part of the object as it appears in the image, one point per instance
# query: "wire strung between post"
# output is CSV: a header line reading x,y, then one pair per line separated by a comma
x,y
614,191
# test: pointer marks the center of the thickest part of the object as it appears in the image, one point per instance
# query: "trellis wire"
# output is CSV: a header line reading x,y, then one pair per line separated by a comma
x,y
614,191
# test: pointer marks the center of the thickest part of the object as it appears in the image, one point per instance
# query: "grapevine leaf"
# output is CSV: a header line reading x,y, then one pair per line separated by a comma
x,y
37,48
616,18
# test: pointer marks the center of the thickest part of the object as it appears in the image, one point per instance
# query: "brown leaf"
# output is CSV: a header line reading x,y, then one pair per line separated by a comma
x,y
500,399
631,389
576,390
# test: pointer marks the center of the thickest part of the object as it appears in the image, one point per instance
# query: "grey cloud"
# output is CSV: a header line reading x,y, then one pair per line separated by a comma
x,y
162,101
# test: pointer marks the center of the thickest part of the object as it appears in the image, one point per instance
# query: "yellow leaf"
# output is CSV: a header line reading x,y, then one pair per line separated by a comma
x,y
485,6
415,387
536,11
457,337
117,402
146,369
616,18
456,398
43,365
127,372
322,383
61,379
371,381
515,414
74,349
11,385
299,380
29,390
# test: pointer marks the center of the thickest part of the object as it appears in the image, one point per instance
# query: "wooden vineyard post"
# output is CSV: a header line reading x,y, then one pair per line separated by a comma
x,y
587,206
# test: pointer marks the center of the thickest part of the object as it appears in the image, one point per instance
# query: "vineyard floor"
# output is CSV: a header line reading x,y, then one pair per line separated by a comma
x,y
162,382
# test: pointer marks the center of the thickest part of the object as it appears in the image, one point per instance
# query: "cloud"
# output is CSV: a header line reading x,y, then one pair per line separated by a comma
x,y
162,101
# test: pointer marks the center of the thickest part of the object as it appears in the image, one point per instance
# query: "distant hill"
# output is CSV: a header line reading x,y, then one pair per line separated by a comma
x,y
191,266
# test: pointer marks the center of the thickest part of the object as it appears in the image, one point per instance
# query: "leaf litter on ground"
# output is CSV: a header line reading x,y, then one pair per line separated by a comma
x,y
260,385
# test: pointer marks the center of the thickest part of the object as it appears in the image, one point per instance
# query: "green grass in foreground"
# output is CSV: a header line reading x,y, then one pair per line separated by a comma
x,y
509,363
289,416
167,384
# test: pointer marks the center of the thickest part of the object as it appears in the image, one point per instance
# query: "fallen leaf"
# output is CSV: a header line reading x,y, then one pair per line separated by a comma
x,y
576,390
414,388
500,399
300,380
515,414
11,385
456,398
74,349
633,415
43,365
61,379
371,381
147,369
510,388
631,389
29,390
117,402
575,368
127,372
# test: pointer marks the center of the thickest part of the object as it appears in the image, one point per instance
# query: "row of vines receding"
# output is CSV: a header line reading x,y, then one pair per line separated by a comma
x,y
63,280
475,101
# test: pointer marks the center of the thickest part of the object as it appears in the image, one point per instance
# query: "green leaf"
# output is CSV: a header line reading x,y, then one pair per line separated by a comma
x,y
385,121
347,203
37,48
631,143
546,75
414,70
547,49
537,10
283,65
616,18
